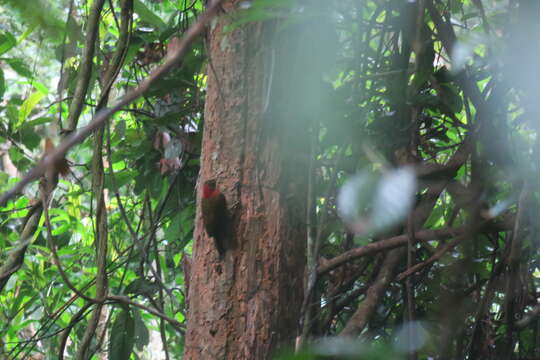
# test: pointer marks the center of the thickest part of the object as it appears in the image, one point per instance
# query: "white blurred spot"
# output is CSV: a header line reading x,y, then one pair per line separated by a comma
x,y
461,53
395,197
245,5
356,193
370,201
411,337
336,346
498,208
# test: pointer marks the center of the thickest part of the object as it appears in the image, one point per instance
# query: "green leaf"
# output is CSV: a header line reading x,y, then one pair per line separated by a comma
x,y
3,180
38,85
28,137
121,178
18,158
19,67
28,105
450,97
142,335
19,324
435,216
2,84
39,13
167,33
26,33
16,307
36,122
7,42
12,110
142,286
122,336
148,16
174,230
133,48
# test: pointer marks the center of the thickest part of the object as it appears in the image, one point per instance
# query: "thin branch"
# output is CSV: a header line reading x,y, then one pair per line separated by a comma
x,y
390,243
56,258
125,300
375,291
98,184
16,257
65,334
85,69
528,318
440,252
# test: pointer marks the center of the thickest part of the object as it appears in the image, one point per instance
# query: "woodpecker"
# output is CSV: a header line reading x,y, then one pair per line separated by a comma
x,y
214,214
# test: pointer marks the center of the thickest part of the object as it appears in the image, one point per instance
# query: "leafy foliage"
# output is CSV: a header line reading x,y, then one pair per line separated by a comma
x,y
122,335
151,154
385,84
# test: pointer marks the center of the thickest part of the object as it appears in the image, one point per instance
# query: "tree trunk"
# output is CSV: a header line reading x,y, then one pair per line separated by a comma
x,y
247,305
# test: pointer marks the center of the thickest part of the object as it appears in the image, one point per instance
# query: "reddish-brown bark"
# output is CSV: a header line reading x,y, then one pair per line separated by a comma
x,y
247,305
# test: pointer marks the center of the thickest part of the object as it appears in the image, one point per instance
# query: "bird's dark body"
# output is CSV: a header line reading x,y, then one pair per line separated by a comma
x,y
214,213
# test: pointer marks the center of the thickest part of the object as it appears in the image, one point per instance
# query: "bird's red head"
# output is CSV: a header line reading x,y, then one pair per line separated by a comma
x,y
209,189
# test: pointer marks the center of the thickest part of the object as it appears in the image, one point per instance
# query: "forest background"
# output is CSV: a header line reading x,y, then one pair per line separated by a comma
x,y
379,159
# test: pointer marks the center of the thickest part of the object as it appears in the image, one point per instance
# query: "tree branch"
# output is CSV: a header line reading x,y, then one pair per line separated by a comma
x,y
390,243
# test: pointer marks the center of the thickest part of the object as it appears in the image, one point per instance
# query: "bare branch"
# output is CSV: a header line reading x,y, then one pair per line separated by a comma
x,y
390,243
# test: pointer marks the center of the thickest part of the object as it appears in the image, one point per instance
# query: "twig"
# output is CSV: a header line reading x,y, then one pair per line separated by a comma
x,y
390,243
56,258
528,318
444,249
65,334
85,69
125,300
